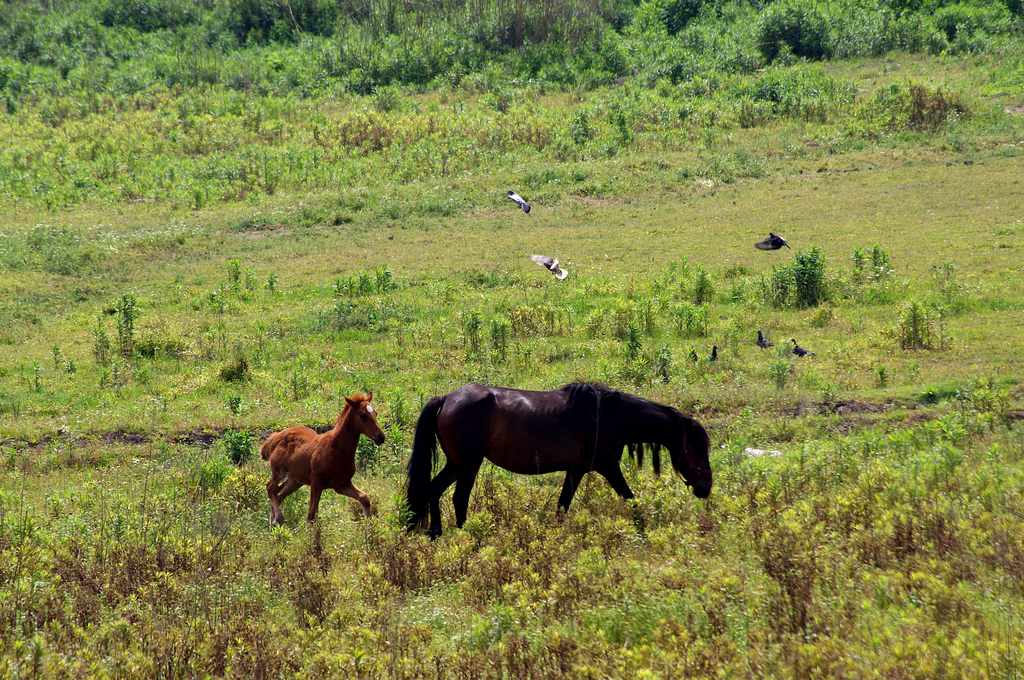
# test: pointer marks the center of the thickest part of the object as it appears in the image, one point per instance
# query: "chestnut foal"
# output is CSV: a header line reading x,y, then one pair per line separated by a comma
x,y
298,455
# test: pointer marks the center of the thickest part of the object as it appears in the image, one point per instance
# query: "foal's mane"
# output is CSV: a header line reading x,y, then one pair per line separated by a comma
x,y
583,408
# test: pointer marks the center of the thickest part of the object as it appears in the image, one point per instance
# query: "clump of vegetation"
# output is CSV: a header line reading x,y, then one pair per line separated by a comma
x,y
915,327
238,446
236,370
799,284
126,312
792,28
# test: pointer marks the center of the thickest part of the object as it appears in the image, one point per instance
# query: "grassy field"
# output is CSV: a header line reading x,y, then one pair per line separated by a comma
x,y
185,272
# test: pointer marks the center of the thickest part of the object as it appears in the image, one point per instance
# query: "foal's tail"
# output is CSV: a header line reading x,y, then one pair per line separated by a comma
x,y
268,446
421,464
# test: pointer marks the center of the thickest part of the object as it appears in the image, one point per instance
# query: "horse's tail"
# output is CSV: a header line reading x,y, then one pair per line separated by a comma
x,y
268,446
421,463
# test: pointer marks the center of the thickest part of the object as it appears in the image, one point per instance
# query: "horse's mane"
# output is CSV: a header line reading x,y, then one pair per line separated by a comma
x,y
583,407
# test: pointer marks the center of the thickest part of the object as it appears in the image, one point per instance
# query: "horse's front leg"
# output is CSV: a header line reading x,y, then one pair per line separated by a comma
x,y
569,486
315,489
614,476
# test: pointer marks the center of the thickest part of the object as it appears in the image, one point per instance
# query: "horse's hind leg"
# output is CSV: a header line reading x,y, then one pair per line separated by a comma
x,y
438,485
463,488
277,497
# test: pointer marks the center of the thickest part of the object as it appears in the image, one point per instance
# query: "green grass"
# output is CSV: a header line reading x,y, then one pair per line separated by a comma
x,y
886,540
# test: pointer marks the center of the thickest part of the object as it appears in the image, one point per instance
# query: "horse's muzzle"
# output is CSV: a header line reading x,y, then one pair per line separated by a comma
x,y
379,439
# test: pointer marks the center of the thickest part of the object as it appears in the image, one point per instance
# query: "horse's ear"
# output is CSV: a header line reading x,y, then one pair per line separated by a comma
x,y
351,402
369,396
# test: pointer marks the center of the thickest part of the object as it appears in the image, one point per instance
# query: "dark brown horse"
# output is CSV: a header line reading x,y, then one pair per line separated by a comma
x,y
298,455
577,429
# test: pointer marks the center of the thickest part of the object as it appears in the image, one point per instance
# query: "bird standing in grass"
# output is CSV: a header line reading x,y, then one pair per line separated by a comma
x,y
714,353
773,242
551,264
762,341
519,200
800,351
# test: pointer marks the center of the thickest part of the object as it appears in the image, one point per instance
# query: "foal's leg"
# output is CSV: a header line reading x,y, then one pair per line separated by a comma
x,y
353,492
279,494
438,485
463,488
572,481
315,489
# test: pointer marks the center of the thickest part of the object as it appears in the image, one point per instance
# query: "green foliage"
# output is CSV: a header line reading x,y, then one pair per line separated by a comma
x,y
101,342
663,363
794,27
799,284
915,327
126,312
871,265
703,289
237,445
236,370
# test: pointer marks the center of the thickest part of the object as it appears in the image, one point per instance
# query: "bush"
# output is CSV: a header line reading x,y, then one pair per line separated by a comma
x,y
147,15
915,327
236,370
237,445
794,26
809,278
963,21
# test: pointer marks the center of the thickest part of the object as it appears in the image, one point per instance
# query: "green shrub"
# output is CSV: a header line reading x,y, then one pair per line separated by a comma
x,y
703,289
809,278
779,371
236,370
963,21
794,26
237,445
126,312
915,327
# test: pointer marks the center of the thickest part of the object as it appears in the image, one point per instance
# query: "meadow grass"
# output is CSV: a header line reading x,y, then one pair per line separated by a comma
x,y
284,265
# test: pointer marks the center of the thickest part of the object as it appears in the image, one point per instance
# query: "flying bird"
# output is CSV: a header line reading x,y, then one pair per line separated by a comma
x,y
773,242
762,341
800,351
551,264
519,200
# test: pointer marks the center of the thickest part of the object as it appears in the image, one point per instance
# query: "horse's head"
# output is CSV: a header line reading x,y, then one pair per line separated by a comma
x,y
690,456
363,416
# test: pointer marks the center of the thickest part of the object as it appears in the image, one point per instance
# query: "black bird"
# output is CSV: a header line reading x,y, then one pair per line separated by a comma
x,y
551,264
693,356
519,200
800,351
773,242
762,341
714,353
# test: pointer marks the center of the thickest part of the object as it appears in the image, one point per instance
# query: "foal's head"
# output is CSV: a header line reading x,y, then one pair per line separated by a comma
x,y
690,456
362,416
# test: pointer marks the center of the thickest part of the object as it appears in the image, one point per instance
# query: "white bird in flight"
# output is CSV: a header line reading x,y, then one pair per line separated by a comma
x,y
551,264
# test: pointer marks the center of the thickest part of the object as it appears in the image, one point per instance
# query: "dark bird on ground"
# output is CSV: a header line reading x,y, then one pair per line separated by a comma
x,y
714,353
519,200
693,356
773,242
762,341
551,264
800,351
